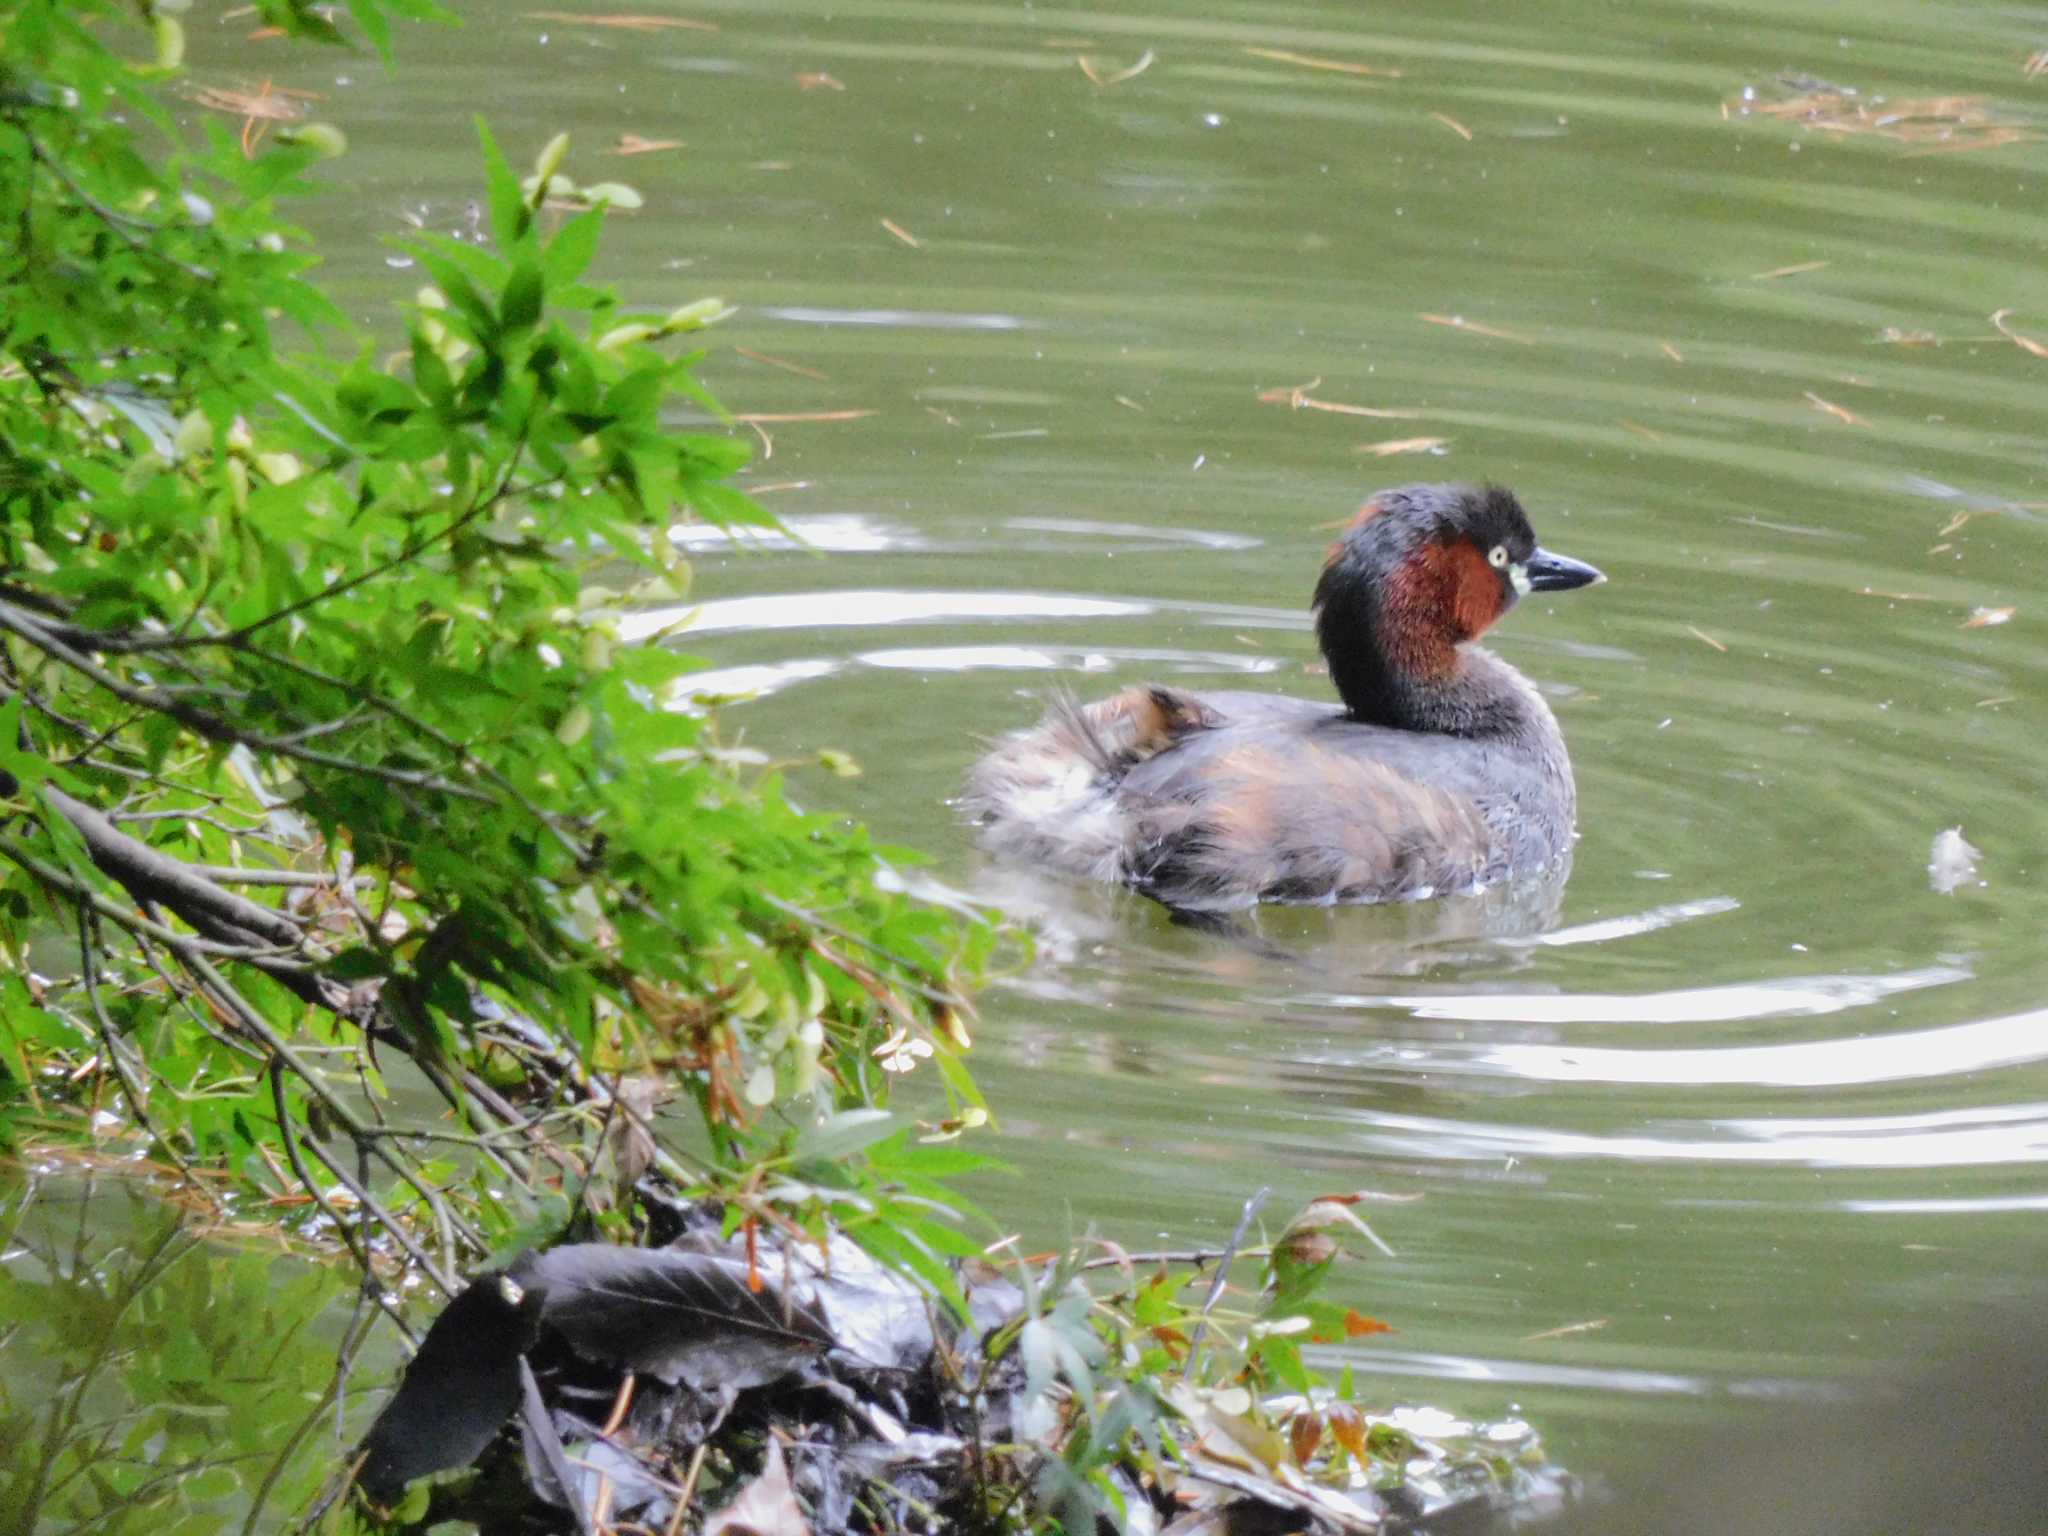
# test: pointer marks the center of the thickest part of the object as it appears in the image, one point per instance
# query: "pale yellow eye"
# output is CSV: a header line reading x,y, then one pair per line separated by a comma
x,y
1497,557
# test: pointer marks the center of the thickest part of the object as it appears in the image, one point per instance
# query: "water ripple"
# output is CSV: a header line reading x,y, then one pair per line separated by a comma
x,y
1907,1056
1786,997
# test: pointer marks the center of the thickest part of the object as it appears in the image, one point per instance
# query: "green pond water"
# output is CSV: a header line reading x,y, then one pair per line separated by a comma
x,y
1756,1099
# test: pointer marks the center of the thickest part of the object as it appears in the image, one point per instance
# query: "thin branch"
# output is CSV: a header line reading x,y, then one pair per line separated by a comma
x,y
438,1273
201,817
930,993
60,882
211,726
361,1255
138,1097
121,224
464,758
351,1342
1244,1221
236,874
333,589
344,1115
182,991
1201,1258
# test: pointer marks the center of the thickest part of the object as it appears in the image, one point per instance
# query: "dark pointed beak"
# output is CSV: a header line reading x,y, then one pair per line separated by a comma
x,y
1559,573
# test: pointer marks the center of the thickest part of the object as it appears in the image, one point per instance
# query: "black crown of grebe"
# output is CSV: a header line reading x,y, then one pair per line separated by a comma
x,y
1442,771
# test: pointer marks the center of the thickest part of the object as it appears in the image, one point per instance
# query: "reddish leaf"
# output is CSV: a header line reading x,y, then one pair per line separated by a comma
x,y
1303,1436
1344,1422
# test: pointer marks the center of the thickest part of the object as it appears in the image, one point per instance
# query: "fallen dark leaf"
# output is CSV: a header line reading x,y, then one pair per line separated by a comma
x,y
458,1391
675,1316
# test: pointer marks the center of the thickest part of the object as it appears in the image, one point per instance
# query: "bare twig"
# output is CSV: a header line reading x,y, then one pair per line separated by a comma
x,y
209,725
1244,1221
124,227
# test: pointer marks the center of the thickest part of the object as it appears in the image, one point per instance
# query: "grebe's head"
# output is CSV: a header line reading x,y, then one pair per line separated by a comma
x,y
1420,571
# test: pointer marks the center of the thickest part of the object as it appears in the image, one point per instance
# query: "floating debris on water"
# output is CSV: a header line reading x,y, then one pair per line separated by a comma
x,y
1310,61
1952,862
1460,323
1297,397
1841,413
1435,445
1929,123
1989,618
1103,82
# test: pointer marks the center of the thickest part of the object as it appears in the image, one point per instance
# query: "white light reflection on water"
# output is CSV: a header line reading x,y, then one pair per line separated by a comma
x,y
1946,1139
833,532
750,682
1787,997
1629,927
927,319
819,610
1204,538
762,680
1907,1056
1956,1207
1032,658
1436,1367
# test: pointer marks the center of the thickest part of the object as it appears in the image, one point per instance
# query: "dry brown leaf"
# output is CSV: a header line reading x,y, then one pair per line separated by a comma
x,y
1937,124
902,234
1103,82
1791,271
1841,413
1670,351
1991,138
1378,413
1987,618
623,23
1460,323
1454,125
1701,634
782,363
1128,403
633,144
1640,430
268,103
1297,397
1403,445
1310,61
1303,1436
817,80
1569,1329
2024,343
1348,1428
2037,63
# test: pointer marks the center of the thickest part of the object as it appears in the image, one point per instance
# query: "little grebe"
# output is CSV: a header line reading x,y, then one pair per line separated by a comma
x,y
1444,771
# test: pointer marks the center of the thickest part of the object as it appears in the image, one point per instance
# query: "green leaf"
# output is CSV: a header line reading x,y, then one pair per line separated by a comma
x,y
569,254
520,308
840,1136
511,219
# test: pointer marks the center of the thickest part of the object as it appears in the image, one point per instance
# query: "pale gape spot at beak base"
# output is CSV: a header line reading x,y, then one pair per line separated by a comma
x,y
1518,574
